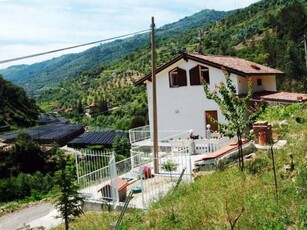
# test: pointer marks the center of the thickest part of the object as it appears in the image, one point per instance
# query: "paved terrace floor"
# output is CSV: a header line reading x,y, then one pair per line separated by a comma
x,y
154,187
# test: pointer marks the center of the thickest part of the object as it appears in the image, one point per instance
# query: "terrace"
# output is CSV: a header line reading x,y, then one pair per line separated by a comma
x,y
178,141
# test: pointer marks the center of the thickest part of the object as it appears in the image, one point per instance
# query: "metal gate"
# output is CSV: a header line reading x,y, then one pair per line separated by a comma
x,y
97,175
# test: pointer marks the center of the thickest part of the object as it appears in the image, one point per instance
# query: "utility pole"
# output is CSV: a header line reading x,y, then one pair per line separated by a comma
x,y
154,97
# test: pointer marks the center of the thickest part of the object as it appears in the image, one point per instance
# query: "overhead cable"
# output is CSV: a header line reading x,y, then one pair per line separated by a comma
x,y
72,47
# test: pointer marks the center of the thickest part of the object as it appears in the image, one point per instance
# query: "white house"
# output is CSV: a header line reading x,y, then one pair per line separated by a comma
x,y
181,101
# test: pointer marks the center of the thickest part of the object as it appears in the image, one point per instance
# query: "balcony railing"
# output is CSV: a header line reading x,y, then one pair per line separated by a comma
x,y
198,146
139,134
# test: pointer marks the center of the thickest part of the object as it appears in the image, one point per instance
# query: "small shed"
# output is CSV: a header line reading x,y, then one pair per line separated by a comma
x,y
122,190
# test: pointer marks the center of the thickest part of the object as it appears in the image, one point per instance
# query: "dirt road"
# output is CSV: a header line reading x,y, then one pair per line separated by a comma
x,y
32,215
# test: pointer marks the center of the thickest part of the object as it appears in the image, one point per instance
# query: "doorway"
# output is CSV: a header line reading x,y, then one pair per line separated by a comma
x,y
211,117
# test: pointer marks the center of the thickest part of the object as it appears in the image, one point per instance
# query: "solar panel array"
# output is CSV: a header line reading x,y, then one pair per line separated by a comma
x,y
47,134
47,119
104,138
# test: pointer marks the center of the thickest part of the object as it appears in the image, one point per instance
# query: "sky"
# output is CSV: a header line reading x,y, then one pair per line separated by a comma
x,y
34,26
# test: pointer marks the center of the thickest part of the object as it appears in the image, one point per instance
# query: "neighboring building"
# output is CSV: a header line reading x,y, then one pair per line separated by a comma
x,y
103,138
49,119
181,100
60,134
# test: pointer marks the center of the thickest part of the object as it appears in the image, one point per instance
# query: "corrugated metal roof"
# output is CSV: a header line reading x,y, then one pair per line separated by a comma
x,y
49,133
97,138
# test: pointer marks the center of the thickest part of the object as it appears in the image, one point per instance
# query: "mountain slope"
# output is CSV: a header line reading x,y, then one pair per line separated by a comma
x,y
41,76
15,107
250,33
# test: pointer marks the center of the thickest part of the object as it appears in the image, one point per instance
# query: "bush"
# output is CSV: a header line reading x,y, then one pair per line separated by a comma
x,y
280,112
25,185
257,165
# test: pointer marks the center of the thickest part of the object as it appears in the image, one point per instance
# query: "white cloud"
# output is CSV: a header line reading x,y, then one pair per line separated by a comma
x,y
31,26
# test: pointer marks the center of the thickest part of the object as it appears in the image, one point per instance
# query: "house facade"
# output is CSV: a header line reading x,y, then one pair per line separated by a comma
x,y
181,101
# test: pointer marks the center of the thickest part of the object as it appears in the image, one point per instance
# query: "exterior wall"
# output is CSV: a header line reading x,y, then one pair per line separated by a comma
x,y
182,108
268,84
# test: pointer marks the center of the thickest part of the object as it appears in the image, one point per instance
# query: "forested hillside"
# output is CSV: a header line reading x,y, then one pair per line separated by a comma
x,y
15,107
41,76
269,32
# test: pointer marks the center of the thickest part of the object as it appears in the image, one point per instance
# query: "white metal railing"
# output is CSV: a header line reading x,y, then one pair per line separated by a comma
x,y
199,145
139,134
98,174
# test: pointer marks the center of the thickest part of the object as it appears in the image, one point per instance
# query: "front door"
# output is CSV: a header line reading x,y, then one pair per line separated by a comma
x,y
211,116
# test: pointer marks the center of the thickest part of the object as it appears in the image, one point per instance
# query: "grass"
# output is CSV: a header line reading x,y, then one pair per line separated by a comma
x,y
215,200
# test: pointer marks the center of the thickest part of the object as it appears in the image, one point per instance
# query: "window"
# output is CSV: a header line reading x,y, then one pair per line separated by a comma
x,y
177,78
199,75
259,82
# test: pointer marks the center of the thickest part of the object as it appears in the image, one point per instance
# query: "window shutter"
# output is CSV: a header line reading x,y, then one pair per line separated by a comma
x,y
182,77
194,76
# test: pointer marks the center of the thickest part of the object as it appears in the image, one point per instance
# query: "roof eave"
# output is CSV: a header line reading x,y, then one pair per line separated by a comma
x,y
187,56
158,70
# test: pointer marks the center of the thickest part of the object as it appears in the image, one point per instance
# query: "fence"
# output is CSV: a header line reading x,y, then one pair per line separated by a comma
x,y
144,133
98,175
159,183
198,146
139,134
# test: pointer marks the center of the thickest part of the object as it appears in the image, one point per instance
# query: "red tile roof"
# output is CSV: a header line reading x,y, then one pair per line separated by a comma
x,y
238,64
280,96
231,64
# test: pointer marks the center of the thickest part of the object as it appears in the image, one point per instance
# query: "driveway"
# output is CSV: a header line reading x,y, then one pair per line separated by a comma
x,y
42,214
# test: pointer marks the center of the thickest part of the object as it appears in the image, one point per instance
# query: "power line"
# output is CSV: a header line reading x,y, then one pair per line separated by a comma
x,y
72,47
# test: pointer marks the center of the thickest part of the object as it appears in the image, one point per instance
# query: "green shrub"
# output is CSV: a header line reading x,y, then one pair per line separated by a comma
x,y
169,166
257,165
280,112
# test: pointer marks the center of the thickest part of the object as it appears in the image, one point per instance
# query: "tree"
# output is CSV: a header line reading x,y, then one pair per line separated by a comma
x,y
68,202
79,107
27,155
121,146
234,109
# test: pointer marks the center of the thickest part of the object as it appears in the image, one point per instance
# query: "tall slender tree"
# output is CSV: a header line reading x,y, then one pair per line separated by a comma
x,y
234,109
68,202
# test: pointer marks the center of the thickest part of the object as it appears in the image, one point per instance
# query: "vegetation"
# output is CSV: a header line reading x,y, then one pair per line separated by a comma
x,y
41,76
68,200
16,109
121,146
257,33
235,110
23,171
28,173
215,200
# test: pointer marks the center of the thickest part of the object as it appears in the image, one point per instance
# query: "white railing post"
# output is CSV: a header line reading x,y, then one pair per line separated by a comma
x,y
114,185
